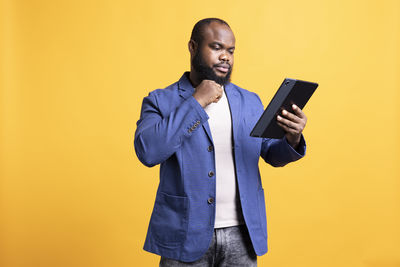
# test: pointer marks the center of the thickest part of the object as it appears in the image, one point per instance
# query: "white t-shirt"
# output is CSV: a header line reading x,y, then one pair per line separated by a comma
x,y
228,211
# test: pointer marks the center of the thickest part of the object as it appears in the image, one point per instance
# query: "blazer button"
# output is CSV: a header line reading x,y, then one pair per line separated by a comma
x,y
210,148
210,200
210,174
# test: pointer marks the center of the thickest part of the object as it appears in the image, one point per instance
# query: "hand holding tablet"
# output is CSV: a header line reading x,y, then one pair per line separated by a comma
x,y
291,92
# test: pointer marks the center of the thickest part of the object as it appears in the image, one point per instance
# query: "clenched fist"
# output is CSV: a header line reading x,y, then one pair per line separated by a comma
x,y
207,92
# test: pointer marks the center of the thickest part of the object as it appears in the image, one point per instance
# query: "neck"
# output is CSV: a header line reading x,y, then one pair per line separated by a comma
x,y
194,78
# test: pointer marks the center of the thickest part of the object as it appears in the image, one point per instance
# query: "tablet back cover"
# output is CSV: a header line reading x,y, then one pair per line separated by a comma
x,y
290,92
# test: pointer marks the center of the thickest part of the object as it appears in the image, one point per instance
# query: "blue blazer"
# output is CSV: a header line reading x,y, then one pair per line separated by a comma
x,y
173,131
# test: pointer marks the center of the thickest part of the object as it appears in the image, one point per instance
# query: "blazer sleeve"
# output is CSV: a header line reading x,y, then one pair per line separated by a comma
x,y
278,152
158,136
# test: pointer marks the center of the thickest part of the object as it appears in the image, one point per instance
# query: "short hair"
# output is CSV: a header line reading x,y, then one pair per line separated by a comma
x,y
198,29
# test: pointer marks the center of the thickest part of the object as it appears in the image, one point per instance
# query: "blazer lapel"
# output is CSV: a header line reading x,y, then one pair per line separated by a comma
x,y
186,89
235,107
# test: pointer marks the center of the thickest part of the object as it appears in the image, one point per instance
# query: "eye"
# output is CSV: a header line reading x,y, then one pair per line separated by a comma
x,y
231,51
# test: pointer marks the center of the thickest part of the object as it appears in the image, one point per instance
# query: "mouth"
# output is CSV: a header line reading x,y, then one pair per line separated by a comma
x,y
224,68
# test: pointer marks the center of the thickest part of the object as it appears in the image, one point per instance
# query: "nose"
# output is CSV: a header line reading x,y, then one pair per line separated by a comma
x,y
224,56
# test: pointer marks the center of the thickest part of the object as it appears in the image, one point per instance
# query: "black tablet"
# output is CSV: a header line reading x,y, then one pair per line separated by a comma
x,y
290,92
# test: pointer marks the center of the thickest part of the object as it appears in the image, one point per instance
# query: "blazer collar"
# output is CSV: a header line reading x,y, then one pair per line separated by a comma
x,y
185,88
234,101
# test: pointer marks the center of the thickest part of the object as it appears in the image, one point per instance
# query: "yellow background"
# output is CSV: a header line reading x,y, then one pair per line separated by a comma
x,y
73,75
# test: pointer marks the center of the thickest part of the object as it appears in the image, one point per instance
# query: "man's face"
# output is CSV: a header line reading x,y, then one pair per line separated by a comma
x,y
213,59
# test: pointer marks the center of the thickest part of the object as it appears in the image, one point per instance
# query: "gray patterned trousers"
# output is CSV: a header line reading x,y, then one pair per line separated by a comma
x,y
230,246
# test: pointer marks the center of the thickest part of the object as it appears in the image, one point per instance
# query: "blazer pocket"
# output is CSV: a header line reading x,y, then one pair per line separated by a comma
x,y
168,222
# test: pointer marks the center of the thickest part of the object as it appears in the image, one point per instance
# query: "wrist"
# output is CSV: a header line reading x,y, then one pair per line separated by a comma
x,y
294,141
200,101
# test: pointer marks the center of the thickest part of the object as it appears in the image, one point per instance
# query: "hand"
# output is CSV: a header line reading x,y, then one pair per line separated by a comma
x,y
207,92
292,124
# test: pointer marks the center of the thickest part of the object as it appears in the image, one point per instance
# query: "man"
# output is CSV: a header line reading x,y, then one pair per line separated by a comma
x,y
210,208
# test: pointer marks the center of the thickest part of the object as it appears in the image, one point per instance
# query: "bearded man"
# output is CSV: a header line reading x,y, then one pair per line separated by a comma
x,y
210,207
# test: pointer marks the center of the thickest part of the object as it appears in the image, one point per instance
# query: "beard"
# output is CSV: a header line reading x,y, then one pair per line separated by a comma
x,y
207,73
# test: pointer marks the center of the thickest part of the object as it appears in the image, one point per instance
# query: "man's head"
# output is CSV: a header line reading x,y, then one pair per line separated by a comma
x,y
211,47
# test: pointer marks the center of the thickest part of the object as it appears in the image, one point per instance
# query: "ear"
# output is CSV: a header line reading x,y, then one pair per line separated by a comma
x,y
192,45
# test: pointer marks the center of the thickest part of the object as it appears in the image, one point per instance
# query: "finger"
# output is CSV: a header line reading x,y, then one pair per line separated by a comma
x,y
287,122
290,116
286,129
217,98
298,111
